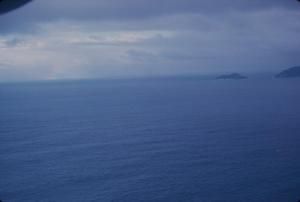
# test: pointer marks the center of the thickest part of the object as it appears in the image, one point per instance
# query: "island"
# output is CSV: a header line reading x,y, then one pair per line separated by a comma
x,y
292,72
235,76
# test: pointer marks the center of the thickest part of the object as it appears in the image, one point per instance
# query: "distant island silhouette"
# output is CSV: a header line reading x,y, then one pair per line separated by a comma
x,y
232,76
292,72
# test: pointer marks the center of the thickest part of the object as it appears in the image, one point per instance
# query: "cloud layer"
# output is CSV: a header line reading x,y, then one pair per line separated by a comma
x,y
113,38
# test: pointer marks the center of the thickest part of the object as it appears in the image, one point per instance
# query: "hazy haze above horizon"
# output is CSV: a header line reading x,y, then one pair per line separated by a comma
x,y
113,38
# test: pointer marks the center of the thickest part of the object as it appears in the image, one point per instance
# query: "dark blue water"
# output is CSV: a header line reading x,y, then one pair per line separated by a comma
x,y
150,140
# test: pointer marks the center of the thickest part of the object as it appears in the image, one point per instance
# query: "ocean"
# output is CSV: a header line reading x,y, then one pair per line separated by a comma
x,y
164,139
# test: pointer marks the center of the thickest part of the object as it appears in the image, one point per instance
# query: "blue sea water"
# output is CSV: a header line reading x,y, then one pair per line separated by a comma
x,y
150,140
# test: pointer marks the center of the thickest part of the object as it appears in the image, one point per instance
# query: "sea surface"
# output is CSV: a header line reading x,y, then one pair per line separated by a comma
x,y
165,139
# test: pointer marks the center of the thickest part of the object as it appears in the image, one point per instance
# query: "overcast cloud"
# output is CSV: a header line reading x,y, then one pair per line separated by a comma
x,y
113,38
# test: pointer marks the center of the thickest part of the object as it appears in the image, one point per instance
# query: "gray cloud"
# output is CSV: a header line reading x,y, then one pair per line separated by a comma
x,y
129,10
70,39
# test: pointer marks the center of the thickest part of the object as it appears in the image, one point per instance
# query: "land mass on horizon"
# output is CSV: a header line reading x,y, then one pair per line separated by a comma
x,y
293,72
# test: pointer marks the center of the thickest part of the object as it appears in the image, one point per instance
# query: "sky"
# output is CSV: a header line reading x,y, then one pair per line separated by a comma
x,y
74,39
